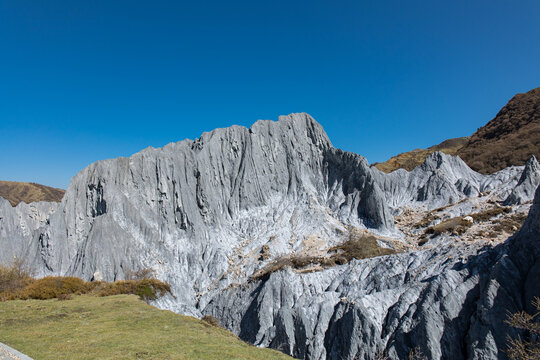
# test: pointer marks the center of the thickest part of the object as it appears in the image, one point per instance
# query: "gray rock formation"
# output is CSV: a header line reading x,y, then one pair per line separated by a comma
x,y
527,184
451,301
199,213
444,179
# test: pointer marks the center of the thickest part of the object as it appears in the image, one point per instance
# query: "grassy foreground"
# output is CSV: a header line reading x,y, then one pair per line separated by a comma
x,y
115,327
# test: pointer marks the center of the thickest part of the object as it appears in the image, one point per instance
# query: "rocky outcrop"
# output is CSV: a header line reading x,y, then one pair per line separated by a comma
x,y
200,213
528,182
449,301
444,179
184,208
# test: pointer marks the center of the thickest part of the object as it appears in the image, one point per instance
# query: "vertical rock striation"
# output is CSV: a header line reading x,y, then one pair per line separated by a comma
x,y
201,212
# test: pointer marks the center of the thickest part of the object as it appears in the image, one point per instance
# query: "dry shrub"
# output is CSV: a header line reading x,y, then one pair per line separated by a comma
x,y
490,213
456,226
417,354
265,253
146,289
428,219
145,273
525,349
510,224
13,279
358,246
422,241
210,320
16,283
63,297
51,287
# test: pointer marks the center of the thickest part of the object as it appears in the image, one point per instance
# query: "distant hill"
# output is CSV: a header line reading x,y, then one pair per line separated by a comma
x,y
410,160
508,139
16,192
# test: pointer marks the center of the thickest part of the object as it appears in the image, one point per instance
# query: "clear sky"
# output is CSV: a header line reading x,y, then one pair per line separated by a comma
x,y
82,81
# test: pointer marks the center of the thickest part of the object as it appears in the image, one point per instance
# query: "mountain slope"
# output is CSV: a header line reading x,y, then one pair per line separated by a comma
x,y
410,160
509,139
17,192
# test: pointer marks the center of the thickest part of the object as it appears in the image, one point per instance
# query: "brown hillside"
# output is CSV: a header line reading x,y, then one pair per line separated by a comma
x,y
410,160
16,192
509,139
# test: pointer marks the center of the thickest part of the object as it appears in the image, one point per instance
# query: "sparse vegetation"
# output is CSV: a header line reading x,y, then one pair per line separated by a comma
x,y
144,273
116,327
358,246
529,348
510,224
265,253
410,160
17,284
454,226
13,279
426,220
490,213
417,354
210,320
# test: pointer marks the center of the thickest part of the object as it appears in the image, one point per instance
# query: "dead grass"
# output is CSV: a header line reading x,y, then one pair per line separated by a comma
x,y
210,320
490,213
510,224
16,192
454,226
358,246
426,220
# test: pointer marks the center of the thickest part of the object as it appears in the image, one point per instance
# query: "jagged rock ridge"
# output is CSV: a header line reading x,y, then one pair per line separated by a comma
x,y
199,213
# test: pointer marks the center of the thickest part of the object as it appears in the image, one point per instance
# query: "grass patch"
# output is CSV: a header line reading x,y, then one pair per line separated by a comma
x,y
116,327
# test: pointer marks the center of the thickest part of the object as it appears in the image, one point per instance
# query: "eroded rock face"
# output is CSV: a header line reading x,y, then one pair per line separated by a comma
x,y
201,212
527,184
451,301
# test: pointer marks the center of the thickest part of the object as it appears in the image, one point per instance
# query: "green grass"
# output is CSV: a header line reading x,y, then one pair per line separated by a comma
x,y
115,327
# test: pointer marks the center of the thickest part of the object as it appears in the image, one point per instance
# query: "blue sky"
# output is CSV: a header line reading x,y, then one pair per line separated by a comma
x,y
82,81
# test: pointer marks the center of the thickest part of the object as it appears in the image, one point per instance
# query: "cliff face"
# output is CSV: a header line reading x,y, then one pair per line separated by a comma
x,y
451,301
208,214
